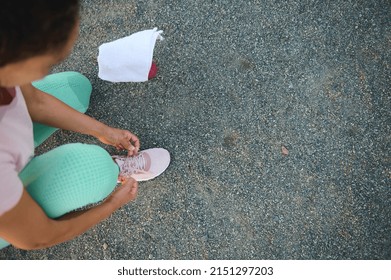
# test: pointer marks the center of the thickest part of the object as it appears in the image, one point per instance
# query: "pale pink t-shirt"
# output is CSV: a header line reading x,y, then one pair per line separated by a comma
x,y
16,148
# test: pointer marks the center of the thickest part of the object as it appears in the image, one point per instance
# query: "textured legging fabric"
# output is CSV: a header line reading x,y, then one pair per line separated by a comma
x,y
73,175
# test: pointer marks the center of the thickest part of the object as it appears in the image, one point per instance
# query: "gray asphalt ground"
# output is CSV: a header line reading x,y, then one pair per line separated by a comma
x,y
237,81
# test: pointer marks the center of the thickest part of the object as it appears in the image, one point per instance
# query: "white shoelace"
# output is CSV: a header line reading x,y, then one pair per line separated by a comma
x,y
133,165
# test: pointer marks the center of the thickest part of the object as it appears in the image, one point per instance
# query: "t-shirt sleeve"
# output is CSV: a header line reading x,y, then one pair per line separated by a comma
x,y
11,187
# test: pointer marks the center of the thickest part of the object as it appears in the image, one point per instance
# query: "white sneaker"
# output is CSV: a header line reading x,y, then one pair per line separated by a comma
x,y
145,166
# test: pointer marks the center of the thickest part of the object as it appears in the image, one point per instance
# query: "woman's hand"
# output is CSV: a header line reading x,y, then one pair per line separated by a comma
x,y
121,139
123,194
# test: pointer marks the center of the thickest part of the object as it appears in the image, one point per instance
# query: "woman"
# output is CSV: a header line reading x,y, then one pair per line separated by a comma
x,y
38,194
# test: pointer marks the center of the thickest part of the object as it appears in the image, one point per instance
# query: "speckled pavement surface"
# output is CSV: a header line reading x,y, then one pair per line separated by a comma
x,y
277,116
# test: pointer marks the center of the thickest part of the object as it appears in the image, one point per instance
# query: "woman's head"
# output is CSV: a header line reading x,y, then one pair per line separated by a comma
x,y
34,36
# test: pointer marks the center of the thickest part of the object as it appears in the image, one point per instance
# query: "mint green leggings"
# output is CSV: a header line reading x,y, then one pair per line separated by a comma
x,y
73,175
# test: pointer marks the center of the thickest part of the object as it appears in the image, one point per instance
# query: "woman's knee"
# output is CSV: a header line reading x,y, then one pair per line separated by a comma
x,y
72,88
82,88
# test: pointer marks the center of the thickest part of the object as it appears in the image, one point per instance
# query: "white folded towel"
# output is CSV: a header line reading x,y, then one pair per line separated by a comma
x,y
128,59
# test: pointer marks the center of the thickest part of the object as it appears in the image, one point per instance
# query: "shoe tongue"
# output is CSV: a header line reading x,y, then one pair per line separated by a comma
x,y
138,162
147,162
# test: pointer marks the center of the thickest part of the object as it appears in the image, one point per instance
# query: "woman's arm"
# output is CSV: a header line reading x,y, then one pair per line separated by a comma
x,y
46,109
26,226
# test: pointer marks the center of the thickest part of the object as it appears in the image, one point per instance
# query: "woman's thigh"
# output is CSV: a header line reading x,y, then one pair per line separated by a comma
x,y
69,177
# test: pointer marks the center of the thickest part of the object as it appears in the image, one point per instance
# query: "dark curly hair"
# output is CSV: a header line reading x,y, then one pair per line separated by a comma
x,y
35,27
